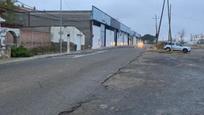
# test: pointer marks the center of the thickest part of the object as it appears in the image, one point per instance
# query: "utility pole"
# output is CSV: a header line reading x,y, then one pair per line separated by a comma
x,y
169,17
60,26
162,13
156,18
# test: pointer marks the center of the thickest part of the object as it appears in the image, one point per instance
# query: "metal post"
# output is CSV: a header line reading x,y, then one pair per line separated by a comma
x,y
60,26
80,38
32,39
68,43
80,41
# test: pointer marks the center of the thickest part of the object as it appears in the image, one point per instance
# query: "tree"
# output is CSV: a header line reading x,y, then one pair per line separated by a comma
x,y
148,38
9,11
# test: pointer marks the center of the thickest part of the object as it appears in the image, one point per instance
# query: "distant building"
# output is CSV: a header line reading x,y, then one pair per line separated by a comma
x,y
196,37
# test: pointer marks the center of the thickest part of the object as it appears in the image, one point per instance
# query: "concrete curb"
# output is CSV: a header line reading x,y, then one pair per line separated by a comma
x,y
57,55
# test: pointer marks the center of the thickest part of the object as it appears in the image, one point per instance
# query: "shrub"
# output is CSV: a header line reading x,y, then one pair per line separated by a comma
x,y
42,50
38,51
20,52
160,45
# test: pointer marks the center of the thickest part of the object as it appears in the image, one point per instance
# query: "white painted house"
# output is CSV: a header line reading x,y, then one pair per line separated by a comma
x,y
75,36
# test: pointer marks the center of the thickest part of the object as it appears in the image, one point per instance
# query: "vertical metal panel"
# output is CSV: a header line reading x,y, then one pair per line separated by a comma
x,y
103,34
115,24
110,41
96,42
100,16
124,28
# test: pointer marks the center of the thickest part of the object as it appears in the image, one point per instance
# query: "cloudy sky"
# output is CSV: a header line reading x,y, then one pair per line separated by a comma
x,y
138,14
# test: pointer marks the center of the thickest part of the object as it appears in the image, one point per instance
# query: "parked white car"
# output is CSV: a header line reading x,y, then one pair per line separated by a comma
x,y
177,47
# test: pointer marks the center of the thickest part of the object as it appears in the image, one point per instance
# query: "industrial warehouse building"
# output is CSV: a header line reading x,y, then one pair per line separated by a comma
x,y
90,29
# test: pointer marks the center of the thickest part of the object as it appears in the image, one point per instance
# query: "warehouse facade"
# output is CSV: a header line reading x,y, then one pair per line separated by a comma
x,y
93,28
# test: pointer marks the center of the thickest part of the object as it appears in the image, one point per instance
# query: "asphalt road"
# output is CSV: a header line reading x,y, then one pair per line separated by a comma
x,y
153,84
48,86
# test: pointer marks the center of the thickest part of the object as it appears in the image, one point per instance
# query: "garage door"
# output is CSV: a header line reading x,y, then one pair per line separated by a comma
x,y
110,38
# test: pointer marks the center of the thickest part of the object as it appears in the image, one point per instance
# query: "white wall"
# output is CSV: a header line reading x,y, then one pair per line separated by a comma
x,y
74,35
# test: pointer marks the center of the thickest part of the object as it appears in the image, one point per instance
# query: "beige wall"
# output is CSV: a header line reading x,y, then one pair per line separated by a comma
x,y
32,38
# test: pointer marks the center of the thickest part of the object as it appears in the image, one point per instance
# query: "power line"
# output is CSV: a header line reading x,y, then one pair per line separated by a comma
x,y
60,27
156,18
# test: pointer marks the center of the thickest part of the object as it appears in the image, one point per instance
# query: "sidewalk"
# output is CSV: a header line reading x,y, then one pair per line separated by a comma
x,y
12,60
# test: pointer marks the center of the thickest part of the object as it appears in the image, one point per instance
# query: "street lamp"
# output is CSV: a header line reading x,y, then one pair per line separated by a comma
x,y
68,43
60,26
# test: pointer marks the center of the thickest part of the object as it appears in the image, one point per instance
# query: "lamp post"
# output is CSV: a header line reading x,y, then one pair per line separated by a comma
x,y
60,26
68,43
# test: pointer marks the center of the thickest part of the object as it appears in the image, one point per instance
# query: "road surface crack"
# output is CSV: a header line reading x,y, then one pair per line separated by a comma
x,y
119,70
74,108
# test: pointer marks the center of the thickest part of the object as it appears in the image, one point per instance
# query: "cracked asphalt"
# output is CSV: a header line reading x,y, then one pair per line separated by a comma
x,y
49,86
152,84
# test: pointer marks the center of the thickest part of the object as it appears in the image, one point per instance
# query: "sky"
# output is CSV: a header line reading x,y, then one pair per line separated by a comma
x,y
187,15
